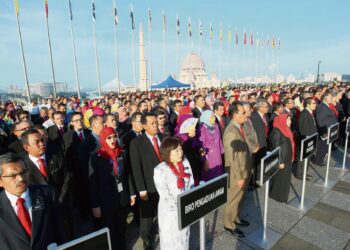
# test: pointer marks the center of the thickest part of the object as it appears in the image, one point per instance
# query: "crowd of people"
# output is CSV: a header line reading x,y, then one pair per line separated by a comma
x,y
70,166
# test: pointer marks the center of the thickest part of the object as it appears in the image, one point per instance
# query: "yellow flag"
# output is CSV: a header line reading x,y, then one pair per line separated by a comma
x,y
229,36
16,6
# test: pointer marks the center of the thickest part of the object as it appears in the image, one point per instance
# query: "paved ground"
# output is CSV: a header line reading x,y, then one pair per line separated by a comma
x,y
325,226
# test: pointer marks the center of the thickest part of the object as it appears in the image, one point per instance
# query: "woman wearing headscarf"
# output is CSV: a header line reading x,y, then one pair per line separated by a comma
x,y
211,142
190,146
282,136
108,187
172,177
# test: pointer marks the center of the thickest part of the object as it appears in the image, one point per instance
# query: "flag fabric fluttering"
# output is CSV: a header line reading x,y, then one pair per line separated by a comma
x,y
221,35
164,22
268,42
211,32
149,20
132,17
245,38
229,35
236,38
262,40
93,11
200,28
115,12
70,11
189,27
251,39
279,43
177,24
273,42
16,6
46,8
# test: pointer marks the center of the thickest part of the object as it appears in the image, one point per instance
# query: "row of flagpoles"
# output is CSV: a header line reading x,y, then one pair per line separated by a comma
x,y
248,39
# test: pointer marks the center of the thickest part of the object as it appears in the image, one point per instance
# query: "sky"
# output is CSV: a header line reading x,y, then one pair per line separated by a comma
x,y
309,31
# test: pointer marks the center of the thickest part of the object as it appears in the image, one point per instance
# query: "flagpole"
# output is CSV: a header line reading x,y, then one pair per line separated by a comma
x,y
164,29
210,45
189,46
96,53
228,53
22,51
177,46
256,56
149,46
221,77
199,47
116,45
74,53
133,45
50,50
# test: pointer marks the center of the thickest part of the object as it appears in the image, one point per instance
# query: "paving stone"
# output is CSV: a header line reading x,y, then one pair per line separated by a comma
x,y
346,178
290,241
320,234
342,187
331,215
338,200
224,241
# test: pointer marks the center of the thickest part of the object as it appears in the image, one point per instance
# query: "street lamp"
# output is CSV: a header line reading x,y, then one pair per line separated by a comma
x,y
318,71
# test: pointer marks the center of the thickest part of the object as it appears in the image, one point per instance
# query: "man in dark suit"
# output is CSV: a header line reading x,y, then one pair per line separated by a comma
x,y
28,215
325,117
18,129
260,124
288,105
277,110
306,127
199,106
220,119
145,151
163,127
45,168
57,131
177,105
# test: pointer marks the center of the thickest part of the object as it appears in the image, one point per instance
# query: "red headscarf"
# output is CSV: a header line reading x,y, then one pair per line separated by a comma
x,y
105,151
185,110
280,122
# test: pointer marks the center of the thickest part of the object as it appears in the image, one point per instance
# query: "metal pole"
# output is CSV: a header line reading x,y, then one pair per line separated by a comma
x,y
328,161
177,57
202,233
267,186
210,59
51,60
345,150
75,60
304,183
23,58
133,57
149,54
164,74
116,56
97,63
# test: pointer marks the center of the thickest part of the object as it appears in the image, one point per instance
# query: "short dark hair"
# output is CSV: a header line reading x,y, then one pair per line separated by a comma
x,y
93,118
195,99
175,102
9,158
233,108
134,116
21,112
168,144
39,127
159,112
144,117
286,100
307,101
25,135
276,106
217,105
139,105
57,113
74,114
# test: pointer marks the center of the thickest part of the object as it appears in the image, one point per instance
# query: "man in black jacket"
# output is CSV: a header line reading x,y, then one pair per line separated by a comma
x,y
56,131
199,106
18,129
29,218
306,127
145,151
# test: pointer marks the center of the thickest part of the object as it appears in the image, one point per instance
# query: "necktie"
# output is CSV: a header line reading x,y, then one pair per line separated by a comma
x,y
222,122
23,216
81,136
61,130
242,132
42,167
162,130
156,147
266,127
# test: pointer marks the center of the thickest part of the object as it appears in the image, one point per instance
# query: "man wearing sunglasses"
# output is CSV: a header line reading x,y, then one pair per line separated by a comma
x,y
28,214
18,129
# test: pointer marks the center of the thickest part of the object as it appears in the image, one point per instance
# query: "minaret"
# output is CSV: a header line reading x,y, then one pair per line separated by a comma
x,y
143,65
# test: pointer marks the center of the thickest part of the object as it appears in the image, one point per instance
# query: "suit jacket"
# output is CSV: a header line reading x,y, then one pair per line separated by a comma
x,y
324,118
306,124
46,222
173,121
55,137
196,112
143,162
238,161
260,128
16,147
57,174
222,128
250,135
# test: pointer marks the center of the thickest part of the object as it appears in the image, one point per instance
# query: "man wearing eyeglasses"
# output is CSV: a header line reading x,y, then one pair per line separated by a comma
x,y
28,215
18,129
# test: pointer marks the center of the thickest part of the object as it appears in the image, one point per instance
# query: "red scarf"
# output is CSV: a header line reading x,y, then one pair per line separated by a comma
x,y
180,174
280,122
106,152
334,109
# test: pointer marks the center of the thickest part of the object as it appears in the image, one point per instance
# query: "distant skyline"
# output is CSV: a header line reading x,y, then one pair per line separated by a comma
x,y
309,31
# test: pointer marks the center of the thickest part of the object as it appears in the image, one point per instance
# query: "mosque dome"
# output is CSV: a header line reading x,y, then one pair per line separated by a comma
x,y
192,61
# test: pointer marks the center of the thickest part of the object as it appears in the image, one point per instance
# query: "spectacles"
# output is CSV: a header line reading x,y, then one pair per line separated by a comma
x,y
23,129
14,176
78,120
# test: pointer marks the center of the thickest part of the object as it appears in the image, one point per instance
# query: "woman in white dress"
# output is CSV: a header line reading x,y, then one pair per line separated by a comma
x,y
172,177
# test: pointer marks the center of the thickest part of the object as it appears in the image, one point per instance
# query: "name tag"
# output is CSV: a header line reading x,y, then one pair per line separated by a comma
x,y
38,207
120,187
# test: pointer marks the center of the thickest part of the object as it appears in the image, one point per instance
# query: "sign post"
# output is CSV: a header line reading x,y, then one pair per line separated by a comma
x,y
194,204
308,148
265,237
347,132
333,133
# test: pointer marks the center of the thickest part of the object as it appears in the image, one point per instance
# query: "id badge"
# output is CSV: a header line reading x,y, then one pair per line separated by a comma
x,y
120,187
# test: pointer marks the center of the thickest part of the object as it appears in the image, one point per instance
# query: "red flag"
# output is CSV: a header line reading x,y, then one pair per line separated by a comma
x,y
245,38
46,8
251,39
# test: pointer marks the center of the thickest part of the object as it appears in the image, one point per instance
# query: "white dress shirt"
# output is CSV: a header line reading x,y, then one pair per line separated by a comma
x,y
35,160
13,200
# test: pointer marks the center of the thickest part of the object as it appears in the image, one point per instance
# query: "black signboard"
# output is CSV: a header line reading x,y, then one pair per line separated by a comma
x,y
333,132
347,130
308,146
269,165
198,202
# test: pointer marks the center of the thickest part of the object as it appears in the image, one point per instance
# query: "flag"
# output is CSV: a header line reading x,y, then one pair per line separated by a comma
x,y
262,40
93,11
236,38
221,35
229,35
257,39
268,42
273,42
116,19
251,39
16,6
279,43
132,18
245,38
211,32
189,27
46,8
149,20
70,11
200,28
164,22
178,25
